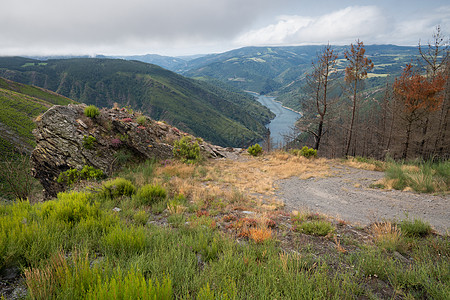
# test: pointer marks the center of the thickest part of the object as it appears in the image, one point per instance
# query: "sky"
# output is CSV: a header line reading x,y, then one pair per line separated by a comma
x,y
187,27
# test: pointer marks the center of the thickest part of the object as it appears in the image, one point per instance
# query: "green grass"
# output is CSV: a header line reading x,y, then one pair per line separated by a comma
x,y
423,177
415,227
77,247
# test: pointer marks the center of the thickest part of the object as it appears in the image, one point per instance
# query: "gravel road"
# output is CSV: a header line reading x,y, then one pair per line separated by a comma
x,y
347,196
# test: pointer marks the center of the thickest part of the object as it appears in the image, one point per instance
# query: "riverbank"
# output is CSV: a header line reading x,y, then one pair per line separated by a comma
x,y
283,123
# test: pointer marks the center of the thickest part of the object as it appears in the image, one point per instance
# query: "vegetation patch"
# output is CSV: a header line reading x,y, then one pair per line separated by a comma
x,y
187,150
91,111
422,177
149,194
117,187
255,150
415,227
72,176
89,142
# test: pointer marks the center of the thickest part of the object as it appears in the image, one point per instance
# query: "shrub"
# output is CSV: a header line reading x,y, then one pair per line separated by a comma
x,y
141,120
89,142
149,194
91,111
415,228
255,150
118,187
308,152
305,151
319,228
71,176
186,150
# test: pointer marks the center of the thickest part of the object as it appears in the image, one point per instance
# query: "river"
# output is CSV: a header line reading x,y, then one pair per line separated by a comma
x,y
282,123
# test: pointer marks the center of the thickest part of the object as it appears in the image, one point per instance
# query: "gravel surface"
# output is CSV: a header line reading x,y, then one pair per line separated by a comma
x,y
346,195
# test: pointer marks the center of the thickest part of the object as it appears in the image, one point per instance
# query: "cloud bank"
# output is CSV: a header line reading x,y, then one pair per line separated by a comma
x,y
175,27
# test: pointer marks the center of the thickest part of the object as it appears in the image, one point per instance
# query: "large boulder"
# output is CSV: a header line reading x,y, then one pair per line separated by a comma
x,y
67,139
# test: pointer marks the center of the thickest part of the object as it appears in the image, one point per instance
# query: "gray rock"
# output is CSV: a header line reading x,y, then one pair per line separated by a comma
x,y
59,137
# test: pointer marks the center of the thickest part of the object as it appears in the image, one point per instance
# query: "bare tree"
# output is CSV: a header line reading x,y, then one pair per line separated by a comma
x,y
355,73
435,60
317,87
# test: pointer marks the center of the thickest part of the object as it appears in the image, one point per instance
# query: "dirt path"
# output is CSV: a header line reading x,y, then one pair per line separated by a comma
x,y
347,196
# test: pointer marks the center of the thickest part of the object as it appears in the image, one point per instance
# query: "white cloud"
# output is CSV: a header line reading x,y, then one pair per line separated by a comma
x,y
339,27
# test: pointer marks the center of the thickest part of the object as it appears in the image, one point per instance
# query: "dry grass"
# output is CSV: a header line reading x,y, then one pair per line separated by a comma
x,y
258,175
386,235
260,234
245,183
370,165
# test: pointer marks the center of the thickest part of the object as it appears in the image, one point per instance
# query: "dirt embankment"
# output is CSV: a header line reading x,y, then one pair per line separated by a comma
x,y
346,195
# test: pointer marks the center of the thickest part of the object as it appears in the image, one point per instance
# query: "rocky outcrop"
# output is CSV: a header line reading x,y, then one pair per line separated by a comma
x,y
67,139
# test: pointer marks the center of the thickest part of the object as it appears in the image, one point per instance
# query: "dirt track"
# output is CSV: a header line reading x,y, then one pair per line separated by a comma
x,y
347,196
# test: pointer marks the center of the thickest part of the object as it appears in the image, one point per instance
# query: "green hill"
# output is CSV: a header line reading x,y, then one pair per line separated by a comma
x,y
280,71
20,104
220,116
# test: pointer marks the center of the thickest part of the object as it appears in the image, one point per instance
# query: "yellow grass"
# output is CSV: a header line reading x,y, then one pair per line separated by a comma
x,y
386,234
258,175
241,184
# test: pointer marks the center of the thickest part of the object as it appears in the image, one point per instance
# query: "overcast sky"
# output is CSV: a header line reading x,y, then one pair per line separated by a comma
x,y
184,27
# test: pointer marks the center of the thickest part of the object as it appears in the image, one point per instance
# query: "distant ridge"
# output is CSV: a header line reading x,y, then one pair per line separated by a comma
x,y
220,116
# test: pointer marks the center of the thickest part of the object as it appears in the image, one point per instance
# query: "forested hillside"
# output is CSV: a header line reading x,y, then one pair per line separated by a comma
x,y
220,116
20,104
280,71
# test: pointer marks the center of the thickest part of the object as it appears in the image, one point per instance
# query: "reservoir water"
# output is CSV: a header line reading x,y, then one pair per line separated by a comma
x,y
282,123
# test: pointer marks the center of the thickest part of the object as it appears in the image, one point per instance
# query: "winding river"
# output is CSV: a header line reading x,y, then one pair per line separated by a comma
x,y
282,123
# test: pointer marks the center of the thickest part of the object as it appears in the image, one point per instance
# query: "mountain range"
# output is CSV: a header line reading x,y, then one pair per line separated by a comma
x,y
280,71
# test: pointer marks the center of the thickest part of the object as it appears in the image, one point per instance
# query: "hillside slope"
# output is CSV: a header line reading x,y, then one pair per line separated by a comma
x,y
222,117
281,71
20,104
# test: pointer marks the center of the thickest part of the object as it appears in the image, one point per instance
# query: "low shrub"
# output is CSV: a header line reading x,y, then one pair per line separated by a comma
x,y
318,227
415,228
255,150
89,142
308,152
187,150
305,151
72,176
91,111
141,120
149,194
118,187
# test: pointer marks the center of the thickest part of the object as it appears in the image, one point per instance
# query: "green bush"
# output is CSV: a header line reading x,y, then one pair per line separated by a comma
x,y
89,142
141,120
118,187
255,150
91,111
415,228
71,176
308,152
318,227
149,194
305,151
186,150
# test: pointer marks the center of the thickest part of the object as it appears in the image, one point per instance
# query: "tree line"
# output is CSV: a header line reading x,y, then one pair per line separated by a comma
x,y
407,119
